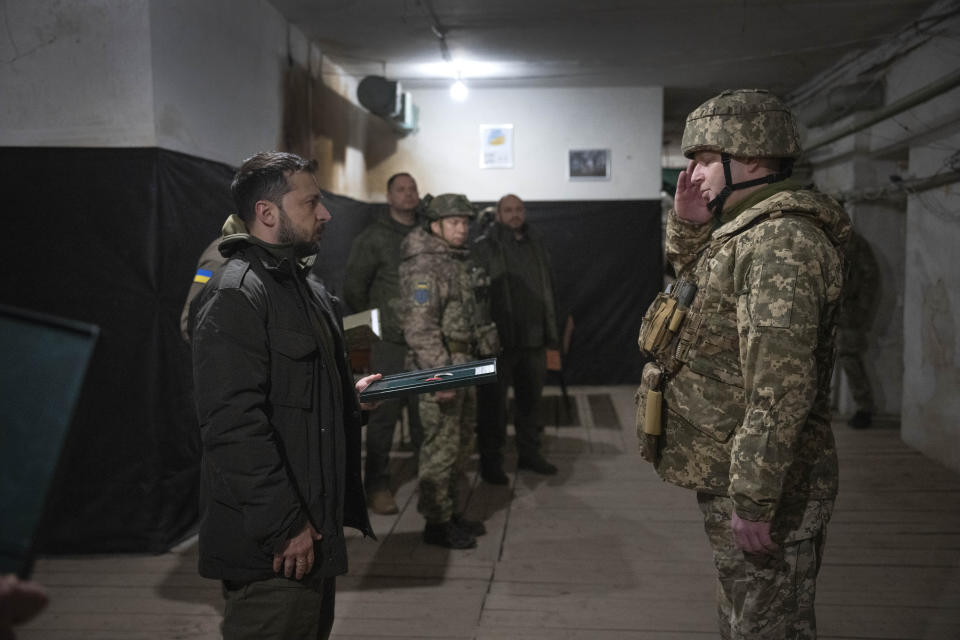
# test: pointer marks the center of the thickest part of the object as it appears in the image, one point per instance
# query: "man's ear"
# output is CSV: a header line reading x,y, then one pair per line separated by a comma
x,y
750,165
266,212
436,227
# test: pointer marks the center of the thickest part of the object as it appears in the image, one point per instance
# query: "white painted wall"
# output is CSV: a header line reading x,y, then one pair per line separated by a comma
x,y
76,73
218,75
444,154
931,402
204,78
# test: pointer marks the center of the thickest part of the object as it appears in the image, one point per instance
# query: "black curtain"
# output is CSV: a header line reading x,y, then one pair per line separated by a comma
x,y
607,262
112,236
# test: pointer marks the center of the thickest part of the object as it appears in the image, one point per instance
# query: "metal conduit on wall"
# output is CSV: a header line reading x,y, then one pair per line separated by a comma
x,y
910,100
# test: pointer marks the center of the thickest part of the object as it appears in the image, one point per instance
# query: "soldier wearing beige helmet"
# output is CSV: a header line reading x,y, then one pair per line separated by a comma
x,y
735,404
444,323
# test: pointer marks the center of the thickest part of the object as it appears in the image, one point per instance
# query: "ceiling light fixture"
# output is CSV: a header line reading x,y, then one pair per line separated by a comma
x,y
458,90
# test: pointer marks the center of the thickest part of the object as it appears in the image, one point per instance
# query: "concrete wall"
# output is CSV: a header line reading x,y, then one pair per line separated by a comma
x,y
76,73
210,79
881,221
915,235
444,155
218,74
931,319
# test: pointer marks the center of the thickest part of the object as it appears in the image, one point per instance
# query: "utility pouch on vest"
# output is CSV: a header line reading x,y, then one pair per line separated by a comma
x,y
649,400
664,318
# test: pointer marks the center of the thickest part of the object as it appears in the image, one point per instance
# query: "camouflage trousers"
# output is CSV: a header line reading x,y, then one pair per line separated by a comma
x,y
768,596
447,444
851,343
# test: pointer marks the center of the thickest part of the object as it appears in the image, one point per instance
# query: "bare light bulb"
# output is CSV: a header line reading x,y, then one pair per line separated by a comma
x,y
459,91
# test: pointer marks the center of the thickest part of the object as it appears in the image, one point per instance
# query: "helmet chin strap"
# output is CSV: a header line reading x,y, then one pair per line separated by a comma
x,y
716,205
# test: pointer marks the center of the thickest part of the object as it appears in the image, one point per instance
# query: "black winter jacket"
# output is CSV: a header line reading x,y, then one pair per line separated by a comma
x,y
279,419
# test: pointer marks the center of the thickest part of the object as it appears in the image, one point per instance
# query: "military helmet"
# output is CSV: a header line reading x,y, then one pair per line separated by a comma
x,y
449,204
746,123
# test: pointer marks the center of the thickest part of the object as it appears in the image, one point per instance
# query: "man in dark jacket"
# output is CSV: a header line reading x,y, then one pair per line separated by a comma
x,y
521,292
373,282
279,414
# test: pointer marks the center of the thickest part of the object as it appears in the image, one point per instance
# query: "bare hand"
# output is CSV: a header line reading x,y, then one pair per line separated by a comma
x,y
445,396
20,601
362,384
688,203
296,558
752,537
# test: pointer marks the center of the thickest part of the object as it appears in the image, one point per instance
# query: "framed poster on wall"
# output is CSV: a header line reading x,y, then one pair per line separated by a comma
x,y
588,164
496,146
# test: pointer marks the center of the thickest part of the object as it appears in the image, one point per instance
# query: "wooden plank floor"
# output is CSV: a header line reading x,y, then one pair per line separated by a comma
x,y
602,551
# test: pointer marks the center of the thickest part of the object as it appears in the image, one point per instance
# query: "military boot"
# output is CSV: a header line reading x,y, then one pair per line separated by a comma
x,y
536,463
446,534
860,420
491,469
473,527
381,501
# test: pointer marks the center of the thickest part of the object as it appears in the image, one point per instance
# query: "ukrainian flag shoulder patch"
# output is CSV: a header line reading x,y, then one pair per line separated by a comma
x,y
202,275
421,293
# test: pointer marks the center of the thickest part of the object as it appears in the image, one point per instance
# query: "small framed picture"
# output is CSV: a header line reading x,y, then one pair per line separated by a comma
x,y
588,164
496,146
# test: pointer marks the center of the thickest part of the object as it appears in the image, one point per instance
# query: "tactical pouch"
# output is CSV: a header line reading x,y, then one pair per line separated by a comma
x,y
649,400
664,318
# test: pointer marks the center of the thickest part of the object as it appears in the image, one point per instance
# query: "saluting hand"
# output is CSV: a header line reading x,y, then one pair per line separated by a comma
x,y
688,201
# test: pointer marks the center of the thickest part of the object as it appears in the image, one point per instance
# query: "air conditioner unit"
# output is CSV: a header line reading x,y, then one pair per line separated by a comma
x,y
385,98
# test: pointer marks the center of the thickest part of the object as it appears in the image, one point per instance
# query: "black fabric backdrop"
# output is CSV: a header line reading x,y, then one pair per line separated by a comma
x,y
111,237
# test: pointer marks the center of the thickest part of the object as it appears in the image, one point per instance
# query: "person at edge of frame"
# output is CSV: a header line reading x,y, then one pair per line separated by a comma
x,y
735,403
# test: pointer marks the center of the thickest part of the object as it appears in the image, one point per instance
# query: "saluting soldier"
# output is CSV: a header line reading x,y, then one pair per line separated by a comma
x,y
736,405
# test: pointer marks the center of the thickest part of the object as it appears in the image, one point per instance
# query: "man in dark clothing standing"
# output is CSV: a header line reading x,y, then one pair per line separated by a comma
x,y
521,293
278,411
372,281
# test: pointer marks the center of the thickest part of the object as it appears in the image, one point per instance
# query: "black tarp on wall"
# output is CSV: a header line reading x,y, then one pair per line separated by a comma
x,y
607,264
111,237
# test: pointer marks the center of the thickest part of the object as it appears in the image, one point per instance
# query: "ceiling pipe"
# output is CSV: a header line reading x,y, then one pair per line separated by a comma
x,y
841,101
919,96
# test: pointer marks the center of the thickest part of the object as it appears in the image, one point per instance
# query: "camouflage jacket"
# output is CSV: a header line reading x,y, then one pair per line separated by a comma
x,y
372,279
442,320
747,412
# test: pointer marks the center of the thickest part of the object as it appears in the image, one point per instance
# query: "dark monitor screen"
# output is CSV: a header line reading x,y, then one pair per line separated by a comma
x,y
42,366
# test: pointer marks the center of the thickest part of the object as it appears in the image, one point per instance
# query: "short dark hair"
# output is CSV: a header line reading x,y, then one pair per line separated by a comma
x,y
264,177
397,175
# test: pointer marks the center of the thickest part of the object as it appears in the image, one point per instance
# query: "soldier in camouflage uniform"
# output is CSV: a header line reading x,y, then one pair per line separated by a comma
x,y
859,295
440,319
735,404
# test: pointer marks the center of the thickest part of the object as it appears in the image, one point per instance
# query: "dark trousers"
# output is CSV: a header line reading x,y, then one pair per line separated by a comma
x,y
387,358
279,609
525,369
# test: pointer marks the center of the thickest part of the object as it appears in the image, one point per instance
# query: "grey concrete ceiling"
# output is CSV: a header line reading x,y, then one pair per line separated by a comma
x,y
693,48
